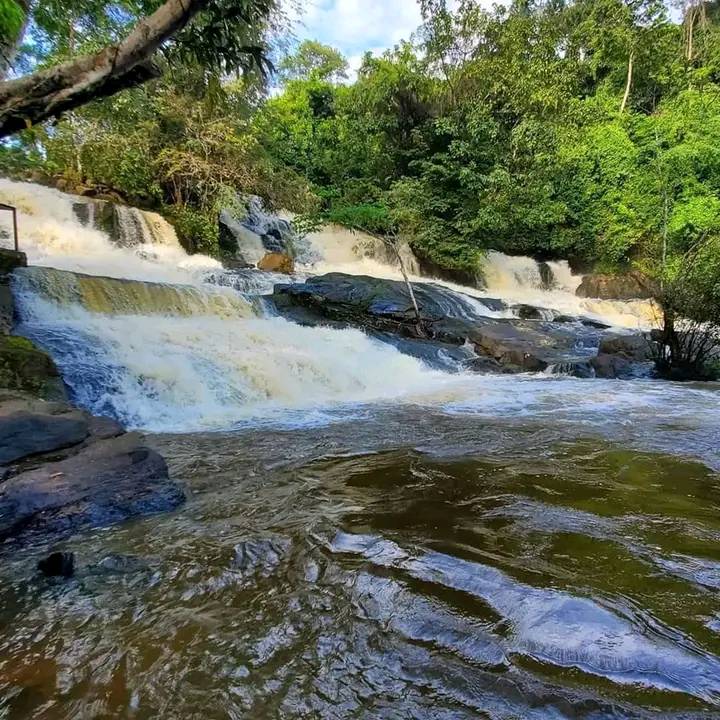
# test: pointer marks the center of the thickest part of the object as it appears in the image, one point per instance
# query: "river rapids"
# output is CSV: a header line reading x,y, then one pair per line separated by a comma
x,y
367,535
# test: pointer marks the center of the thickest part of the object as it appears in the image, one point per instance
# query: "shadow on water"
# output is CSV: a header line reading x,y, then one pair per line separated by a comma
x,y
413,567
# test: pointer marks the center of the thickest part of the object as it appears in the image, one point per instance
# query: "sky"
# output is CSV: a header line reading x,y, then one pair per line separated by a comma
x,y
354,26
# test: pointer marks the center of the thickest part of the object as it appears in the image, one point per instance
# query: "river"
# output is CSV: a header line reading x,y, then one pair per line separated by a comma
x,y
365,536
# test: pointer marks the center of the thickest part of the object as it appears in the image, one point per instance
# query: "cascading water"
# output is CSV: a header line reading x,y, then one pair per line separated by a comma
x,y
133,343
164,340
516,280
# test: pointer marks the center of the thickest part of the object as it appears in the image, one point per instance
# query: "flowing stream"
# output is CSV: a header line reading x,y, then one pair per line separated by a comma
x,y
365,536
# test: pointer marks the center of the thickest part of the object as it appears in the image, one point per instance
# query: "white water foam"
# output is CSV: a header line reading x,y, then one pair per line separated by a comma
x,y
514,279
51,235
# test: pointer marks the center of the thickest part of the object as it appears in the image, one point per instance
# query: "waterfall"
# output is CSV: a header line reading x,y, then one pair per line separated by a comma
x,y
169,358
516,280
337,249
79,234
138,333
113,296
166,341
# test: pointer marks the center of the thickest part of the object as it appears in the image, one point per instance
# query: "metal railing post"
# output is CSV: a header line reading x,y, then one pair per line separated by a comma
x,y
3,206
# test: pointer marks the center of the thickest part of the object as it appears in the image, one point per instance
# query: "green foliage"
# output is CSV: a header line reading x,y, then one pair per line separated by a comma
x,y
12,18
314,61
504,128
372,217
196,230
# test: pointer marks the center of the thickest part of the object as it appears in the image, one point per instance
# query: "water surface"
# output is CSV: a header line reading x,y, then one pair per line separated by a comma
x,y
407,563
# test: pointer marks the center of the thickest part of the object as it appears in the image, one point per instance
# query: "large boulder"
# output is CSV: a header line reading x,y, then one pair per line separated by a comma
x,y
106,482
256,237
277,234
384,307
63,469
619,367
239,242
626,286
632,347
23,433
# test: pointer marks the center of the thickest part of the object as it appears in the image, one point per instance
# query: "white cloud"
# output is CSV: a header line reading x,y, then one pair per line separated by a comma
x,y
354,26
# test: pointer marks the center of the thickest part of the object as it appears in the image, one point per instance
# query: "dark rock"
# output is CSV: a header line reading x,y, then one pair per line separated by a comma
x,y
237,242
103,428
574,368
628,286
384,306
277,234
527,312
494,304
529,349
589,322
7,307
586,321
633,347
618,367
484,364
364,300
547,277
106,482
232,263
10,260
58,564
434,353
24,366
253,236
461,277
82,212
23,434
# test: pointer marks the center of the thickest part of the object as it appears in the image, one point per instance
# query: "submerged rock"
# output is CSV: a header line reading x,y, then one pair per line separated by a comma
x,y
58,564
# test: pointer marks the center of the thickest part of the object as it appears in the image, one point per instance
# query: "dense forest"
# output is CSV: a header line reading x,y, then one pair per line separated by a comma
x,y
580,129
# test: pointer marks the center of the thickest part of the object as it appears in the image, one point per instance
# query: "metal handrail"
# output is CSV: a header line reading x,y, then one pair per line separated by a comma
x,y
3,206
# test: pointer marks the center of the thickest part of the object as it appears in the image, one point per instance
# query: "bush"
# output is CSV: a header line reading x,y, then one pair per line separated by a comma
x,y
372,217
689,341
196,230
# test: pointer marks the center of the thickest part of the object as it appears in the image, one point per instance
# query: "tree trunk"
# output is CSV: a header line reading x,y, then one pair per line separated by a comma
x,y
393,243
50,92
628,84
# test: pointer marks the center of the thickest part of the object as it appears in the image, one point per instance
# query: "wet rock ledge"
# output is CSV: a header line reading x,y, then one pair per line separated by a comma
x,y
61,468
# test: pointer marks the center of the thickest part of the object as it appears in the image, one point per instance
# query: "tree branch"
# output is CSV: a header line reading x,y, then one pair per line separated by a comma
x,y
50,92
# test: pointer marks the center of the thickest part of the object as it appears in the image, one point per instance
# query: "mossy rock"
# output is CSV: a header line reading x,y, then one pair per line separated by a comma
x,y
24,366
11,259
